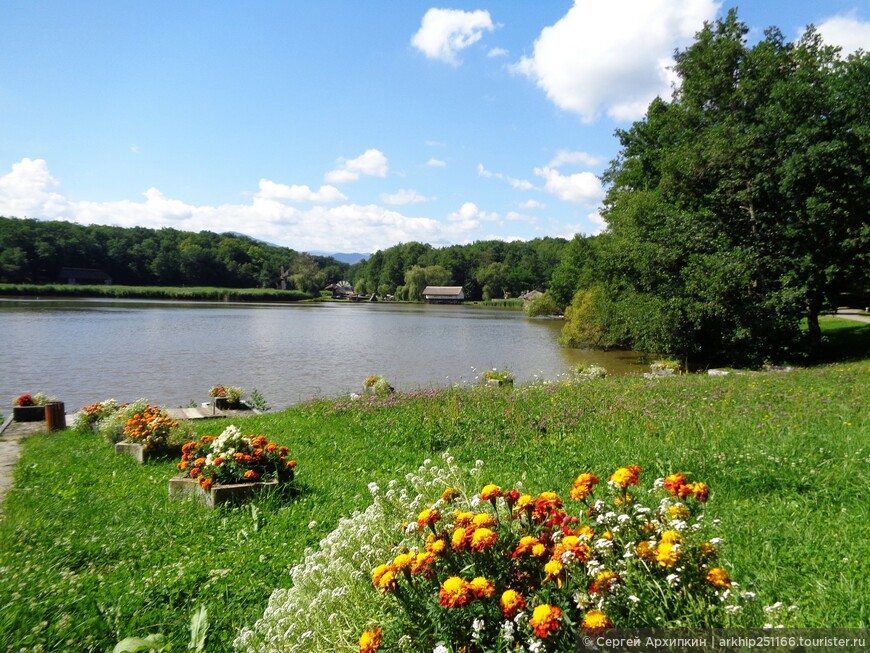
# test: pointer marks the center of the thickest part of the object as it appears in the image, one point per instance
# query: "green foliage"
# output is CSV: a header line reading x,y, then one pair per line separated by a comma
x,y
737,208
34,251
154,292
542,306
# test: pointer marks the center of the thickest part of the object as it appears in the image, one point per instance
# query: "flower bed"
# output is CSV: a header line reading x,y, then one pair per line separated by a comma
x,y
231,467
503,569
30,407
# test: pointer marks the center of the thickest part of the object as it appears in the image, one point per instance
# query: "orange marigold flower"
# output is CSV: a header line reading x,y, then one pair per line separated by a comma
x,y
454,593
422,562
370,640
674,482
435,545
678,511
546,503
291,464
545,620
707,550
449,495
718,577
524,501
645,550
525,544
283,451
252,475
490,492
271,447
595,619
208,438
459,538
182,465
199,462
206,483
625,476
511,602
194,472
378,573
604,581
701,492
667,553
482,539
583,485
218,461
428,517
462,518
672,536
259,441
387,582
482,587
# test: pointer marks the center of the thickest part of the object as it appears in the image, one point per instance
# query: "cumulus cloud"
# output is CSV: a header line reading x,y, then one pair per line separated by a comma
x,y
29,190
520,184
613,57
530,205
469,216
846,31
581,187
566,157
372,162
403,196
283,193
445,32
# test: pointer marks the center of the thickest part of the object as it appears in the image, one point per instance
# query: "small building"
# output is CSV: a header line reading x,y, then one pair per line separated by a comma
x,y
87,276
530,295
341,290
444,294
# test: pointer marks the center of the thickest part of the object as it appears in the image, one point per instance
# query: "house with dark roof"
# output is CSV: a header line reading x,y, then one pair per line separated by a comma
x,y
87,276
444,294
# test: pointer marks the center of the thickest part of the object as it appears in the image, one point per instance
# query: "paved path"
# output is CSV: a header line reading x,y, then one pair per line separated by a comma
x,y
851,314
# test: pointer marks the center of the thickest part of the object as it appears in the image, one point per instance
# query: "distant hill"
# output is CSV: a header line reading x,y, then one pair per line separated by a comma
x,y
350,258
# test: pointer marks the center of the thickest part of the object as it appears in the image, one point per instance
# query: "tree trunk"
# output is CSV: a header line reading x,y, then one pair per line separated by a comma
x,y
814,306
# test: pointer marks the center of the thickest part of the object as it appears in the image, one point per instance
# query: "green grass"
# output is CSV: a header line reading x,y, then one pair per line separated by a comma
x,y
92,550
154,292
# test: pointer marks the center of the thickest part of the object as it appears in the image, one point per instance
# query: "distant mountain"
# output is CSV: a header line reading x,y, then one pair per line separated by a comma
x,y
350,258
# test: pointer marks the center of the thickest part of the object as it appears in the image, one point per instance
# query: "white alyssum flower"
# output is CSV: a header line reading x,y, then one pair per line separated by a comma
x,y
507,631
476,628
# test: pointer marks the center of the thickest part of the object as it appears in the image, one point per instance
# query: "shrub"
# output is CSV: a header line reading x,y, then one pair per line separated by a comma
x,y
543,305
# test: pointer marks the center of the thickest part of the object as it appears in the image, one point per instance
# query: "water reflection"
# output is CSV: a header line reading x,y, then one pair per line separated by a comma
x,y
172,352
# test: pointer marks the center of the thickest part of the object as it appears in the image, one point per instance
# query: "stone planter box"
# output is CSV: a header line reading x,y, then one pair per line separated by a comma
x,y
28,413
138,453
182,485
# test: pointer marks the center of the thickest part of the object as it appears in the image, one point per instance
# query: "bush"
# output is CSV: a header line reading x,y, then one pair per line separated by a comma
x,y
543,305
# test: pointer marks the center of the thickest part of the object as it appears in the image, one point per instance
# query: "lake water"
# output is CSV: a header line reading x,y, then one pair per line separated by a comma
x,y
171,353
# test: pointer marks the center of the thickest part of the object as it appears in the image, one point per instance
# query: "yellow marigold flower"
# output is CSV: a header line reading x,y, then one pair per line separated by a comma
x,y
435,545
674,482
402,561
604,581
625,476
511,602
461,518
370,640
428,517
524,501
672,536
678,511
701,492
490,492
449,495
378,573
199,462
595,619
553,569
546,503
718,577
459,538
645,550
707,550
454,592
667,553
482,539
525,544
387,583
583,485
482,587
483,519
545,620
539,550
584,531
607,535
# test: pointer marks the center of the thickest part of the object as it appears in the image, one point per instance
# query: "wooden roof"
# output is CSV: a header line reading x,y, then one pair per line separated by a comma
x,y
447,291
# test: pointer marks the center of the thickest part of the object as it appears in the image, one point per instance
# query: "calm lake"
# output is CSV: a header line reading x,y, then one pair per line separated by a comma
x,y
86,350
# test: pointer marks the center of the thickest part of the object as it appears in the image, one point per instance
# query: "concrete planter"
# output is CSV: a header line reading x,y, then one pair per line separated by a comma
x,y
137,452
28,413
182,485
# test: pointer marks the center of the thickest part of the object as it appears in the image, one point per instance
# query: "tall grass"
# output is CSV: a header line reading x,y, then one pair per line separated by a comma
x,y
92,550
154,292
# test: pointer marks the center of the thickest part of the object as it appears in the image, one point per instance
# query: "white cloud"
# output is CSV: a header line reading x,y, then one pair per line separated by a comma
x,y
436,163
513,216
581,158
372,162
612,57
846,31
403,196
497,52
445,32
581,187
532,205
469,216
520,184
282,192
29,190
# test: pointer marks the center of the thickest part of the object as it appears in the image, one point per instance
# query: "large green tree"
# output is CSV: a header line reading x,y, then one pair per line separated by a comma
x,y
740,206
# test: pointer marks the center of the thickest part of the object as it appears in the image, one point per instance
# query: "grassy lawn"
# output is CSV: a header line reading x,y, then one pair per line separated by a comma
x,y
92,550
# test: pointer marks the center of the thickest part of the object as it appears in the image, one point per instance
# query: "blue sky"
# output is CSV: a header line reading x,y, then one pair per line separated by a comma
x,y
343,126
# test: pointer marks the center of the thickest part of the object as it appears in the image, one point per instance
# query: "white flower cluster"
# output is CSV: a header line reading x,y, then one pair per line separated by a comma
x,y
331,599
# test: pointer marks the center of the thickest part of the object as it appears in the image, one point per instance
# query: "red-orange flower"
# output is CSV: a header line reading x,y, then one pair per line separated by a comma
x,y
482,539
490,492
625,476
370,640
583,485
545,620
252,475
701,492
511,602
674,482
454,593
